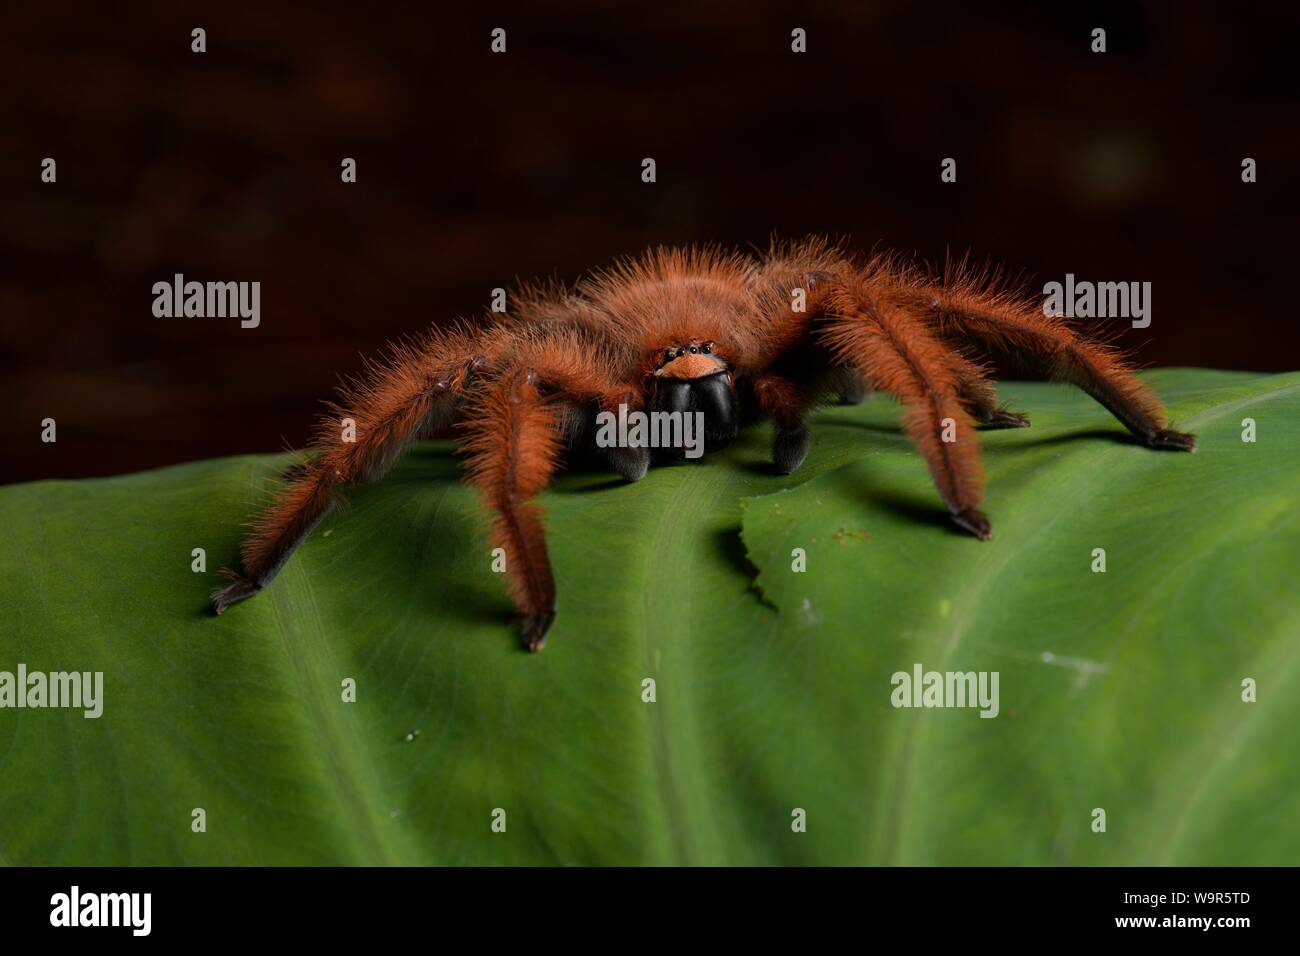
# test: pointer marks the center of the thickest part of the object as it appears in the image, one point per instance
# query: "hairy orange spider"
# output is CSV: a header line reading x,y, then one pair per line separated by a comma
x,y
724,335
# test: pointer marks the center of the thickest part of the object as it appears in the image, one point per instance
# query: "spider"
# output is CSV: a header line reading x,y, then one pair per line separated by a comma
x,y
732,336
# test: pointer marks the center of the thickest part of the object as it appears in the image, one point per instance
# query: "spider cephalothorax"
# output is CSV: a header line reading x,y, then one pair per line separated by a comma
x,y
693,378
720,336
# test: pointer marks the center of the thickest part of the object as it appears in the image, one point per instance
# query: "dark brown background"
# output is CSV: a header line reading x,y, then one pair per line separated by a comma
x,y
475,169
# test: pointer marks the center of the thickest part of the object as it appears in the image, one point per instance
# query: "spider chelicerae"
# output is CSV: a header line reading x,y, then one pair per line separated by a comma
x,y
730,336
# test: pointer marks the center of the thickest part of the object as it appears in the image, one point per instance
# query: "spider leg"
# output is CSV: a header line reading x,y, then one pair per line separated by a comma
x,y
1015,328
979,397
788,405
514,445
852,388
896,353
416,389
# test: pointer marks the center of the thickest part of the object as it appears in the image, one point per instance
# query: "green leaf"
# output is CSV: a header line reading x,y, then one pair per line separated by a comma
x,y
1119,690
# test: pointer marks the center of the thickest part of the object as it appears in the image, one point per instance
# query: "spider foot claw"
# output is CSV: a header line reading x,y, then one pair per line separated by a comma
x,y
854,393
631,463
239,589
533,628
1005,419
1172,440
975,522
790,448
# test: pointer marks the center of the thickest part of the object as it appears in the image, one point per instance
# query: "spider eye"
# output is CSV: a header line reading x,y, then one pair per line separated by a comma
x,y
708,347
692,349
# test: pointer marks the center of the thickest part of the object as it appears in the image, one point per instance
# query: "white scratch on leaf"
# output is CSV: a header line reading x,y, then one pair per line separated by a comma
x,y
1086,669
808,615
